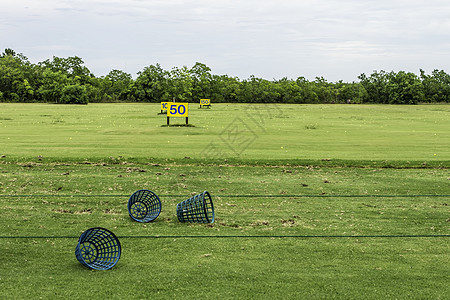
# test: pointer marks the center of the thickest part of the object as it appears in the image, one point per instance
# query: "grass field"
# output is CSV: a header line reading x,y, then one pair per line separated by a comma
x,y
249,132
312,201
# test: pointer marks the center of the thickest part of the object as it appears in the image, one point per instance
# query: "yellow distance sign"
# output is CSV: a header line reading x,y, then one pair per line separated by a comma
x,y
178,109
205,101
165,105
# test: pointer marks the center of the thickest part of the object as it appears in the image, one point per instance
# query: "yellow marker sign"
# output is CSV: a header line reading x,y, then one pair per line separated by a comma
x,y
165,105
205,101
177,109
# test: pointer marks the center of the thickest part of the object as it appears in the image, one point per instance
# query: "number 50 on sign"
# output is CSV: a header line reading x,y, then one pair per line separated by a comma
x,y
178,110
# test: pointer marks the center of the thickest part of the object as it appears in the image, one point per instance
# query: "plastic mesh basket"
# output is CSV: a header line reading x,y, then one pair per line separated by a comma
x,y
197,209
144,206
98,248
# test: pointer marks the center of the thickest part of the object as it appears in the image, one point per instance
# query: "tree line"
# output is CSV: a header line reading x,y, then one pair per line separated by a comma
x,y
69,81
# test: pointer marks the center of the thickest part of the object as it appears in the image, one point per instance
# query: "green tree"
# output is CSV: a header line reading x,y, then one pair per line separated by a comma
x,y
201,81
16,82
259,90
51,85
347,92
225,88
95,90
324,90
404,88
74,94
119,84
375,87
290,91
308,95
72,66
436,86
151,85
180,84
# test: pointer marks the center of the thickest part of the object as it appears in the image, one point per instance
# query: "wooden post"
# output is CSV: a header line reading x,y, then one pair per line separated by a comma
x,y
168,121
187,122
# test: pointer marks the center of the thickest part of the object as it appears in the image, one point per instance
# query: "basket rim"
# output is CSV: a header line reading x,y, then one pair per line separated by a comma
x,y
212,206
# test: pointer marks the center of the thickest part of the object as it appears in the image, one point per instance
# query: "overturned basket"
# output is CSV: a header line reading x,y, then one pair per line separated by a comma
x,y
197,209
144,206
98,248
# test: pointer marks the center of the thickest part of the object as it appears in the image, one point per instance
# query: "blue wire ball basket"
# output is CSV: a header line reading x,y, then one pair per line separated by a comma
x,y
98,248
197,209
144,206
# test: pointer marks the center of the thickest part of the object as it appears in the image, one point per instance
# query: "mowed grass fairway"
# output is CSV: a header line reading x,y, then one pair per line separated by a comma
x,y
311,201
247,131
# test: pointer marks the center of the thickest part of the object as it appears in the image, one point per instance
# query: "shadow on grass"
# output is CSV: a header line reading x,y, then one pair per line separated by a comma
x,y
178,125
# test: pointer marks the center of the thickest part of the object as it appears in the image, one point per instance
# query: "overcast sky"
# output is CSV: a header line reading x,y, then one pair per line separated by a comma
x,y
336,39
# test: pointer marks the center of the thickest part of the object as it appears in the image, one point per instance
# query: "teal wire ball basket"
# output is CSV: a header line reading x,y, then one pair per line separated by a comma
x,y
98,248
197,209
144,206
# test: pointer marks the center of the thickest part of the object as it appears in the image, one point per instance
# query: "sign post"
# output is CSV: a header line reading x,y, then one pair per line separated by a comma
x,y
178,110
